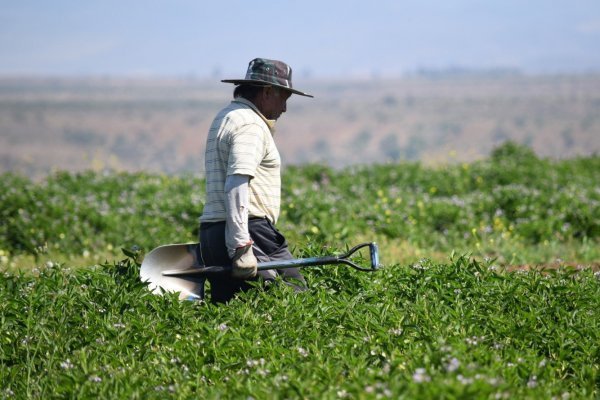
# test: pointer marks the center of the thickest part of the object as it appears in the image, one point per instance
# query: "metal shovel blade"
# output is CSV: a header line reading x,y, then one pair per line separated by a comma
x,y
167,257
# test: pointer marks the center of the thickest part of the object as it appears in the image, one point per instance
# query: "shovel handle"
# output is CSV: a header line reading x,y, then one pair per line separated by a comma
x,y
295,263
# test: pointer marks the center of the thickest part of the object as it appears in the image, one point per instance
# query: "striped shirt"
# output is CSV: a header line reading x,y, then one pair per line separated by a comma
x,y
240,141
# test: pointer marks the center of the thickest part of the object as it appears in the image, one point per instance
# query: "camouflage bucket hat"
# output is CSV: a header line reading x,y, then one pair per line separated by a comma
x,y
262,71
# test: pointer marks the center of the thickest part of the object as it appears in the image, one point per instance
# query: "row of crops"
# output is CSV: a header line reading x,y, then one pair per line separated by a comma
x,y
497,207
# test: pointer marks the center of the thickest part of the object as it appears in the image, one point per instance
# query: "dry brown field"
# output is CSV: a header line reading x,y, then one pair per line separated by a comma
x,y
160,125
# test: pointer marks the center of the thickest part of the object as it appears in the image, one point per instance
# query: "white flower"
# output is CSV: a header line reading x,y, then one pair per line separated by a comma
x,y
452,365
95,378
303,352
66,364
421,376
396,331
493,381
532,382
251,363
474,340
222,327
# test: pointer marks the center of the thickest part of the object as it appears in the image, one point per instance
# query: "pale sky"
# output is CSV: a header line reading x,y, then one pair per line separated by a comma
x,y
318,38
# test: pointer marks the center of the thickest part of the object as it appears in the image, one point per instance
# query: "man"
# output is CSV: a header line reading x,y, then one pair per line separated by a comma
x,y
243,182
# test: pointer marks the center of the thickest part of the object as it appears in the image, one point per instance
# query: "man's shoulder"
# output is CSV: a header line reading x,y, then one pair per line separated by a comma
x,y
238,112
238,118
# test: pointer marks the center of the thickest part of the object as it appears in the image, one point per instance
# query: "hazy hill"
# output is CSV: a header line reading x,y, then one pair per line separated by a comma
x,y
160,125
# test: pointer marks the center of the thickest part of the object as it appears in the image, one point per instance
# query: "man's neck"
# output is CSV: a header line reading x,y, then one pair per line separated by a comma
x,y
270,122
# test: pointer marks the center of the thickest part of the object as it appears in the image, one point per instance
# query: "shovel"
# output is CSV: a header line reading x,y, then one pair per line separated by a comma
x,y
178,267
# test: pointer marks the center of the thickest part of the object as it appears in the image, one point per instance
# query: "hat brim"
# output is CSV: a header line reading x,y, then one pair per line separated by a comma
x,y
263,83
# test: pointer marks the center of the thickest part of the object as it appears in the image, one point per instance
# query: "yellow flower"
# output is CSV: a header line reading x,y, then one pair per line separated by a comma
x,y
498,224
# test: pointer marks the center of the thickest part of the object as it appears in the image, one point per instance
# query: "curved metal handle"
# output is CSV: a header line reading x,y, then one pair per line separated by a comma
x,y
373,255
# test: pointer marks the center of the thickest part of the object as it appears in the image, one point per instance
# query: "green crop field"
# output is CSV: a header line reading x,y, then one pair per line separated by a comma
x,y
489,287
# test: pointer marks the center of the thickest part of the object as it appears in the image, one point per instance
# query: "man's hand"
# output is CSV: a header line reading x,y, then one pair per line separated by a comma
x,y
244,262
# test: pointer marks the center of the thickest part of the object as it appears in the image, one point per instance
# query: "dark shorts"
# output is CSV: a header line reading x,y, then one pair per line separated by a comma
x,y
269,245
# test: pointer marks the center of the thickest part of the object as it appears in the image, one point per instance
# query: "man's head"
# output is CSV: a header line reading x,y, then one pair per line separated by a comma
x,y
270,100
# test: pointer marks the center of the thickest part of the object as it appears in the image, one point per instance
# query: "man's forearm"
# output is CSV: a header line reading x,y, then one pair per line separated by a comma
x,y
237,200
